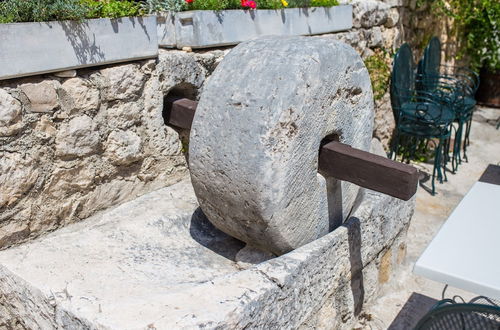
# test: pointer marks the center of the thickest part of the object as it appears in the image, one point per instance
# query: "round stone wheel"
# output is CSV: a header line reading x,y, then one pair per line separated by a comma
x,y
257,132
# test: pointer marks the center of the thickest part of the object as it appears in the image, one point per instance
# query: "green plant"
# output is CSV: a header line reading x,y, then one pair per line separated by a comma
x,y
41,10
378,66
478,26
157,6
112,8
324,3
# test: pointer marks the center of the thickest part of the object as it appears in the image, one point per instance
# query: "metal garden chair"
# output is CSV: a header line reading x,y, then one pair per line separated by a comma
x,y
422,118
462,85
479,314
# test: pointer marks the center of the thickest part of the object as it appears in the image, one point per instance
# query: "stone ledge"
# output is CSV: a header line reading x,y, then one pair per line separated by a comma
x,y
150,262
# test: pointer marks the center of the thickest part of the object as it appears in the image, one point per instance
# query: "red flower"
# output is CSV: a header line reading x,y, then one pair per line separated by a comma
x,y
189,1
252,4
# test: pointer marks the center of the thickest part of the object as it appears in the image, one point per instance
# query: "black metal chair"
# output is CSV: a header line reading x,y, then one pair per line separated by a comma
x,y
448,315
462,85
422,118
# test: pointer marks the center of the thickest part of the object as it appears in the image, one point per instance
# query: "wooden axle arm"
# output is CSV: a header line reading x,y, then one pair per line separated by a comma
x,y
336,159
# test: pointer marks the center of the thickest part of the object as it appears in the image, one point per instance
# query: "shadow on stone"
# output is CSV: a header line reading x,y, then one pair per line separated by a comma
x,y
353,226
414,309
203,232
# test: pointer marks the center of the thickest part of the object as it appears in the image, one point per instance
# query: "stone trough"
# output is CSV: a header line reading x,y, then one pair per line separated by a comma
x,y
251,241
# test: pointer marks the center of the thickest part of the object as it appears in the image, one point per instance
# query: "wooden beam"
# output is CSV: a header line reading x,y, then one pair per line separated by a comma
x,y
336,159
368,170
179,112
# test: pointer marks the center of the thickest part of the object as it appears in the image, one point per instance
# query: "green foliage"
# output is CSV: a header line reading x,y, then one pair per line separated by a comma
x,y
478,23
41,10
324,3
111,8
157,6
51,10
214,4
378,66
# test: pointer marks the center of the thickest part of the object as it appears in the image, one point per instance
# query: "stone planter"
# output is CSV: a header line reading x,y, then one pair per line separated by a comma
x,y
204,28
36,48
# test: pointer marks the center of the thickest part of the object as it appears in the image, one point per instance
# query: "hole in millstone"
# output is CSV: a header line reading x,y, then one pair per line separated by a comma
x,y
182,90
333,190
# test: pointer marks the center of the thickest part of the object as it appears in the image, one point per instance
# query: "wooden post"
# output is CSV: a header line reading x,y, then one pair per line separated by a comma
x,y
336,159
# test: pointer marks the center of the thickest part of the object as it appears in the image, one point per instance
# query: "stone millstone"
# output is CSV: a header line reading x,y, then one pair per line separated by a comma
x,y
257,132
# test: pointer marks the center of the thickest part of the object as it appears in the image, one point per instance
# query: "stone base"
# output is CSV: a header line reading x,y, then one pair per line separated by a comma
x,y
155,262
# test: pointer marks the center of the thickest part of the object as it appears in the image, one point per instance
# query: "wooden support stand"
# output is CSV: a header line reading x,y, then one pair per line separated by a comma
x,y
336,159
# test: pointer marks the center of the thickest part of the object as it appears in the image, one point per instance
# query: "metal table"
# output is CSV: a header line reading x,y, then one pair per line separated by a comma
x,y
465,253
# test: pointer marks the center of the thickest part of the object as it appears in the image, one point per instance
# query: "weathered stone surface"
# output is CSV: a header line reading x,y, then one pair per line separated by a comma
x,y
42,95
254,146
10,114
384,121
65,74
369,13
124,115
46,127
123,147
156,259
392,18
17,176
375,38
78,137
123,82
66,181
81,95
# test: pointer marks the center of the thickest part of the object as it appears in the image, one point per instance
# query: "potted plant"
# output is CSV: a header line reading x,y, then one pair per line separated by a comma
x,y
210,23
478,25
39,36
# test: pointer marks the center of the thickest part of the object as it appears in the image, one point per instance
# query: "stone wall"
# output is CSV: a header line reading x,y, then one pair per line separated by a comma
x,y
80,142
72,146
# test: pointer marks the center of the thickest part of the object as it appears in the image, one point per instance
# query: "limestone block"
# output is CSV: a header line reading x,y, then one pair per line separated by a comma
x,y
123,147
256,136
392,18
17,176
124,115
369,13
42,95
176,67
45,127
123,82
65,181
81,95
156,259
375,39
78,137
10,114
65,74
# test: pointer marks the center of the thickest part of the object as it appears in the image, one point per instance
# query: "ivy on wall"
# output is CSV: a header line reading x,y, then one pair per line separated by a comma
x,y
379,68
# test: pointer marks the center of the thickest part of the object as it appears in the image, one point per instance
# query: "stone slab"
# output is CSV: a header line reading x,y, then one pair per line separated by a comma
x,y
41,47
206,28
150,263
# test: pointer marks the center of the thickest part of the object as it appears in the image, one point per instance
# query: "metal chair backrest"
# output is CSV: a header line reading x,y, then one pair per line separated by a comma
x,y
402,79
461,316
431,60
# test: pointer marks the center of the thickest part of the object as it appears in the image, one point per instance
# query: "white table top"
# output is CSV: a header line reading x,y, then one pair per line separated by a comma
x,y
465,253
